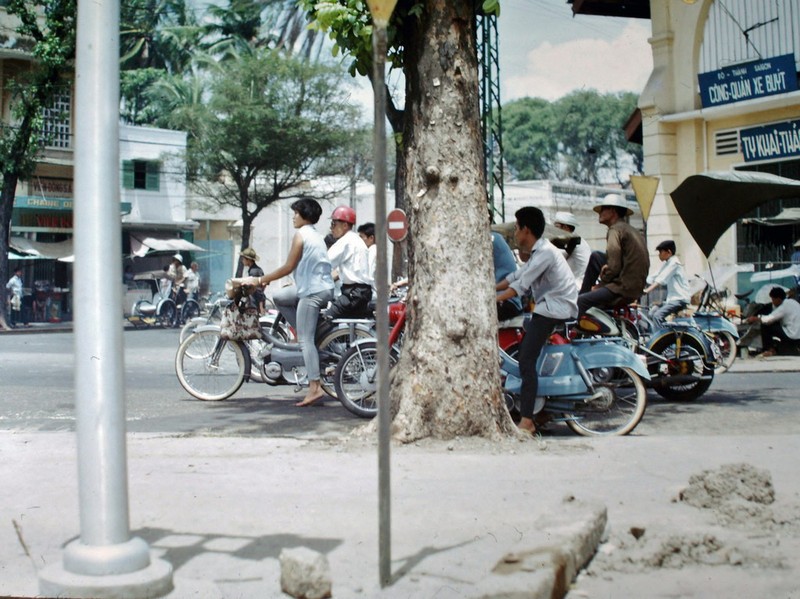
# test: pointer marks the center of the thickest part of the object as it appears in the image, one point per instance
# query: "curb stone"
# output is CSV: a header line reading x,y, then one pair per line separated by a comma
x,y
565,542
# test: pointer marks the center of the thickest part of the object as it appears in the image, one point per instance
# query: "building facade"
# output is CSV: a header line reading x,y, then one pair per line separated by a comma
x,y
723,96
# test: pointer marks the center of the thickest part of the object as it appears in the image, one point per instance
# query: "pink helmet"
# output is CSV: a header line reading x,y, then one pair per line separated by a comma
x,y
344,213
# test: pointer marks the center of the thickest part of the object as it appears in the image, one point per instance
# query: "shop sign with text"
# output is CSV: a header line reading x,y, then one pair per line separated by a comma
x,y
768,142
749,80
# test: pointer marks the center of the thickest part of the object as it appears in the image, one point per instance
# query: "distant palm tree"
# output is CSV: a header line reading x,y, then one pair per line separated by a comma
x,y
160,34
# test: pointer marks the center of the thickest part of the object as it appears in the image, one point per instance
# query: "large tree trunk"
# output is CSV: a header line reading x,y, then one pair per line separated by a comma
x,y
447,381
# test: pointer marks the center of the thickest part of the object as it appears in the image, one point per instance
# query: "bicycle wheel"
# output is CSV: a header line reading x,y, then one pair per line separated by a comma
x,y
687,368
208,367
331,348
190,310
190,326
616,408
356,378
727,349
167,314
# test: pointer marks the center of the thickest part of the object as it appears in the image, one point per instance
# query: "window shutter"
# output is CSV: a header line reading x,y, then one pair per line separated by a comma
x,y
127,174
153,175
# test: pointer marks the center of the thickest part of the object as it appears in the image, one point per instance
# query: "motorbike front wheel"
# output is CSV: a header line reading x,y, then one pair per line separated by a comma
x,y
356,378
331,348
691,375
616,407
208,367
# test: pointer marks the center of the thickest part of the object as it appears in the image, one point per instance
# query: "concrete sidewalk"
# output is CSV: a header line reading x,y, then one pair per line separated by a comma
x,y
469,517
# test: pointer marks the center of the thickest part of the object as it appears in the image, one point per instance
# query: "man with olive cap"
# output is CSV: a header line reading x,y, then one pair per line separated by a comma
x,y
624,275
577,251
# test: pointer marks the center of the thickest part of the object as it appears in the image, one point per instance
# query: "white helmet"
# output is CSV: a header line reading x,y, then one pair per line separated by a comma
x,y
178,257
616,200
566,218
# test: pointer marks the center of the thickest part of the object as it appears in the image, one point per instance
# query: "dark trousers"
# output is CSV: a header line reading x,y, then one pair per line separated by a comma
x,y
537,330
597,260
602,297
507,310
774,337
352,303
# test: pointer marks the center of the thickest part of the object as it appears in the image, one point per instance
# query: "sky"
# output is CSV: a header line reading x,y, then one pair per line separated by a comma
x,y
545,52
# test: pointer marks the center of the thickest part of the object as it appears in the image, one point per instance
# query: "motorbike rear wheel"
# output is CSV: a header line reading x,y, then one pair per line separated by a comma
x,y
208,367
615,409
691,362
727,349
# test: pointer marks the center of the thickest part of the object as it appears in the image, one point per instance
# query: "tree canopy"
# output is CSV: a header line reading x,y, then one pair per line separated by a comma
x,y
578,138
268,121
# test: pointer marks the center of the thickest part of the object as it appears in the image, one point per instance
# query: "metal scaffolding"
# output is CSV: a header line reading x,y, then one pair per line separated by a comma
x,y
487,48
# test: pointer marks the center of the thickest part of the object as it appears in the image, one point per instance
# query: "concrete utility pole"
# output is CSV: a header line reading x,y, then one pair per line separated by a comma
x,y
105,561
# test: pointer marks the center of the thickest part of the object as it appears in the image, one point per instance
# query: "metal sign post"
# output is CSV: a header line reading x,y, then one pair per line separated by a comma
x,y
381,12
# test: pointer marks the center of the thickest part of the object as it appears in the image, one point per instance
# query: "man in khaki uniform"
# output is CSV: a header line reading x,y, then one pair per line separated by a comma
x,y
627,262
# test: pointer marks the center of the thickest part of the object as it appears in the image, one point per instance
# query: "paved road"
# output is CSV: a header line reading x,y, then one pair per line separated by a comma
x,y
38,394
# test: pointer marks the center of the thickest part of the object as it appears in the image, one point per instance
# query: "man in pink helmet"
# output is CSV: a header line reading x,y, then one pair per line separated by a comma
x,y
349,258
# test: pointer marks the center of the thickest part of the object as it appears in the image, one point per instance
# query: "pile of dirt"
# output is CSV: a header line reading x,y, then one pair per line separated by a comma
x,y
742,533
738,494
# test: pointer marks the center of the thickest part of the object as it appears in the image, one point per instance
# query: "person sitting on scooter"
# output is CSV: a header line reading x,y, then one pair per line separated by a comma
x,y
349,258
301,303
783,324
549,278
673,277
624,274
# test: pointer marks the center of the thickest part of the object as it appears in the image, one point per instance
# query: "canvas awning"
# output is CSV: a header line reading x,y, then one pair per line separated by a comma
x,y
788,216
142,245
54,251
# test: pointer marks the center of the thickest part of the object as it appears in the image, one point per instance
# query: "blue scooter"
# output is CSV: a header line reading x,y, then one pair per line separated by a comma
x,y
593,384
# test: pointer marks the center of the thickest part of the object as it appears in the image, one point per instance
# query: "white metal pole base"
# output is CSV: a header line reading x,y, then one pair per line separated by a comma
x,y
126,570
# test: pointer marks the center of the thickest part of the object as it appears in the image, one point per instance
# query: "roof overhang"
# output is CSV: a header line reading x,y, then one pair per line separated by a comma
x,y
636,9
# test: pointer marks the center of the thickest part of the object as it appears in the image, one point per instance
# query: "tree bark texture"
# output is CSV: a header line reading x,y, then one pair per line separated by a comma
x,y
447,381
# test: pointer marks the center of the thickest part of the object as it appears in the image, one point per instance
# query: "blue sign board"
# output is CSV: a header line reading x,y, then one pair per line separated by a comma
x,y
779,140
757,79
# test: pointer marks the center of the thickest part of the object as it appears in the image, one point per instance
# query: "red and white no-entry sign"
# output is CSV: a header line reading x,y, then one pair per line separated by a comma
x,y
397,225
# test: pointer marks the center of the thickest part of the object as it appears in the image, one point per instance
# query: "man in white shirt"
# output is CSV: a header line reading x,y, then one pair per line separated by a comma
x,y
783,324
672,276
192,281
349,259
549,278
577,251
367,233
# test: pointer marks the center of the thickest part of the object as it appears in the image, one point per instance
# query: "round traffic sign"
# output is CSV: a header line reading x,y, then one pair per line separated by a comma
x,y
397,225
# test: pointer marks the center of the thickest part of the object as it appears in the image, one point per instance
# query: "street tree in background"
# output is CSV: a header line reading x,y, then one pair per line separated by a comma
x,y
47,33
270,120
576,138
447,381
